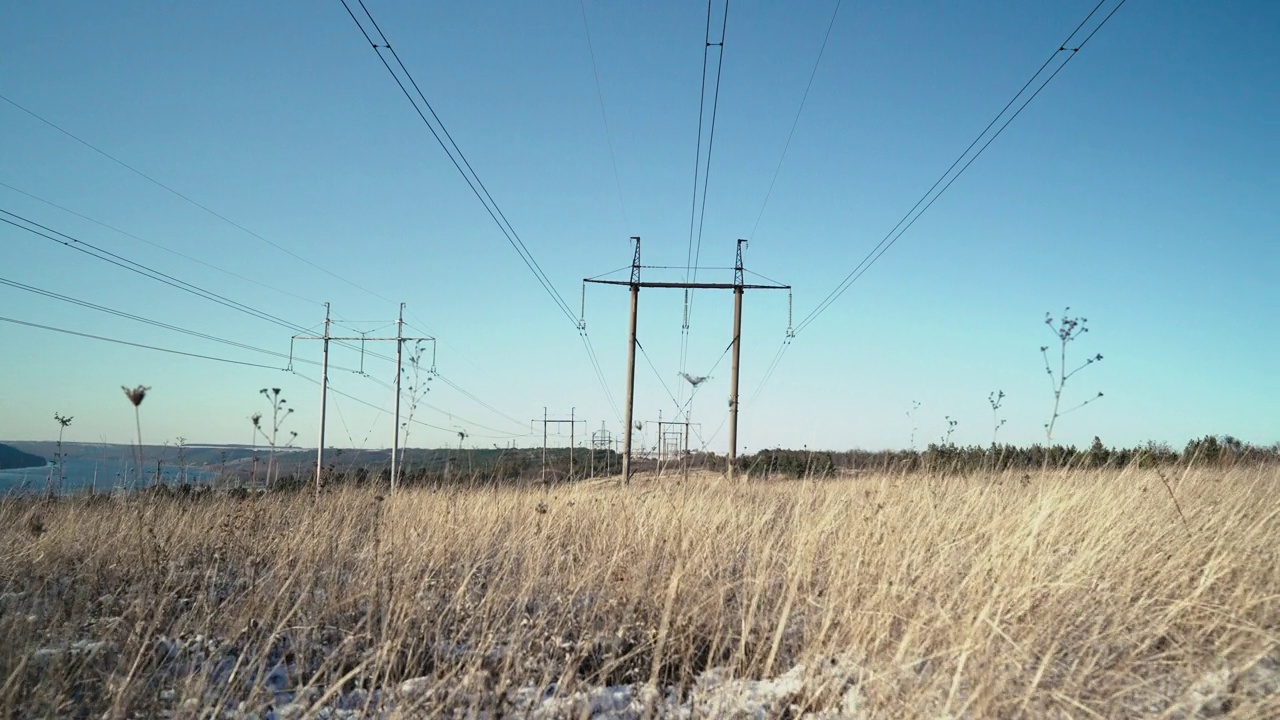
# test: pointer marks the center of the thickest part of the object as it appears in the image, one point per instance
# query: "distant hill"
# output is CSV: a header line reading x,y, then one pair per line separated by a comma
x,y
216,456
11,458
195,455
232,460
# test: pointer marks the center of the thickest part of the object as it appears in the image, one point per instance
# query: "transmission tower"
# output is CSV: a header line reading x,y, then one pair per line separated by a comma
x,y
326,338
738,287
552,421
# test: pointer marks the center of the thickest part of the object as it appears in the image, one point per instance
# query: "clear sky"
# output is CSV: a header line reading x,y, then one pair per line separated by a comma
x,y
1140,188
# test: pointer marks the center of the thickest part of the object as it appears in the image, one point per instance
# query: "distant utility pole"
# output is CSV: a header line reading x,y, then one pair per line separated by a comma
x,y
738,287
399,340
674,442
550,421
601,439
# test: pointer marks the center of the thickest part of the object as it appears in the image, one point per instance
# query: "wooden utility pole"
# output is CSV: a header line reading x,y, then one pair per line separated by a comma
x,y
738,287
399,340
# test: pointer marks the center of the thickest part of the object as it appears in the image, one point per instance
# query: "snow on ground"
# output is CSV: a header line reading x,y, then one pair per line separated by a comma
x,y
215,678
823,690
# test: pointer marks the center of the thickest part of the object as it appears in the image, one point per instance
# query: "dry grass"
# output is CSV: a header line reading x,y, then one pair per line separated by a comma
x,y
1064,595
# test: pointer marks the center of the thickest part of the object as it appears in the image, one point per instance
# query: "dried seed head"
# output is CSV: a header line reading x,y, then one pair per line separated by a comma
x,y
135,395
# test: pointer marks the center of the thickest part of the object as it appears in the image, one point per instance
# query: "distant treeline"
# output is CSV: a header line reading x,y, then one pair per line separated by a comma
x,y
490,467
439,467
1209,450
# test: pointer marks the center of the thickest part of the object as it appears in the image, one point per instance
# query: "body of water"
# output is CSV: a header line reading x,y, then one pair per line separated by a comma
x,y
105,474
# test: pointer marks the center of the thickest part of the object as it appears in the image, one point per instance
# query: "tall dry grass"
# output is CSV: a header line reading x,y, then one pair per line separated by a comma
x,y
1078,594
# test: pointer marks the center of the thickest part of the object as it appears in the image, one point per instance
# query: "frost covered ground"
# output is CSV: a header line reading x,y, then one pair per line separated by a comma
x,y
1065,595
713,695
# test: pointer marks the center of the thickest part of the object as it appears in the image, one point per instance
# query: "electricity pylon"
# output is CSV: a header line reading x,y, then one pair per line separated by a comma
x,y
551,421
399,340
738,287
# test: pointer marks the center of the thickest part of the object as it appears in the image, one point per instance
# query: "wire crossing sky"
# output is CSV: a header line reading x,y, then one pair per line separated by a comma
x,y
183,187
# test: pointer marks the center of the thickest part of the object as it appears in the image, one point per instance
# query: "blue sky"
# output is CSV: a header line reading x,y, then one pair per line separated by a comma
x,y
1139,188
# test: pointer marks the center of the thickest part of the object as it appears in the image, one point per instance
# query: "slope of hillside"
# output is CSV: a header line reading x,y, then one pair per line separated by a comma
x,y
11,458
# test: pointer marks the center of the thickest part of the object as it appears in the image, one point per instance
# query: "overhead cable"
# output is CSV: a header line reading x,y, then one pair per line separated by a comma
x,y
133,266
159,324
459,160
794,123
691,257
118,341
926,201
711,135
188,199
136,267
456,155
599,371
595,72
476,400
158,245
404,393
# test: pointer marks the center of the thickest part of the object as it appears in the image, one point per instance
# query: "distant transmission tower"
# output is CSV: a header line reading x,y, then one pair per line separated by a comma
x,y
399,340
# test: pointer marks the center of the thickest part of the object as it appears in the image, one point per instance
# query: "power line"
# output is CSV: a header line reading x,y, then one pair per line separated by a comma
x,y
712,437
459,160
155,323
473,179
130,316
476,400
694,391
719,360
611,272
599,371
796,122
384,411
138,345
188,199
908,220
768,373
452,415
595,72
591,350
422,328
148,272
698,167
436,374
663,383
174,282
366,403
136,267
692,257
711,142
338,409
157,245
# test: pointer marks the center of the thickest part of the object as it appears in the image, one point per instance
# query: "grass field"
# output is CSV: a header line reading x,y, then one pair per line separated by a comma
x,y
1068,594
